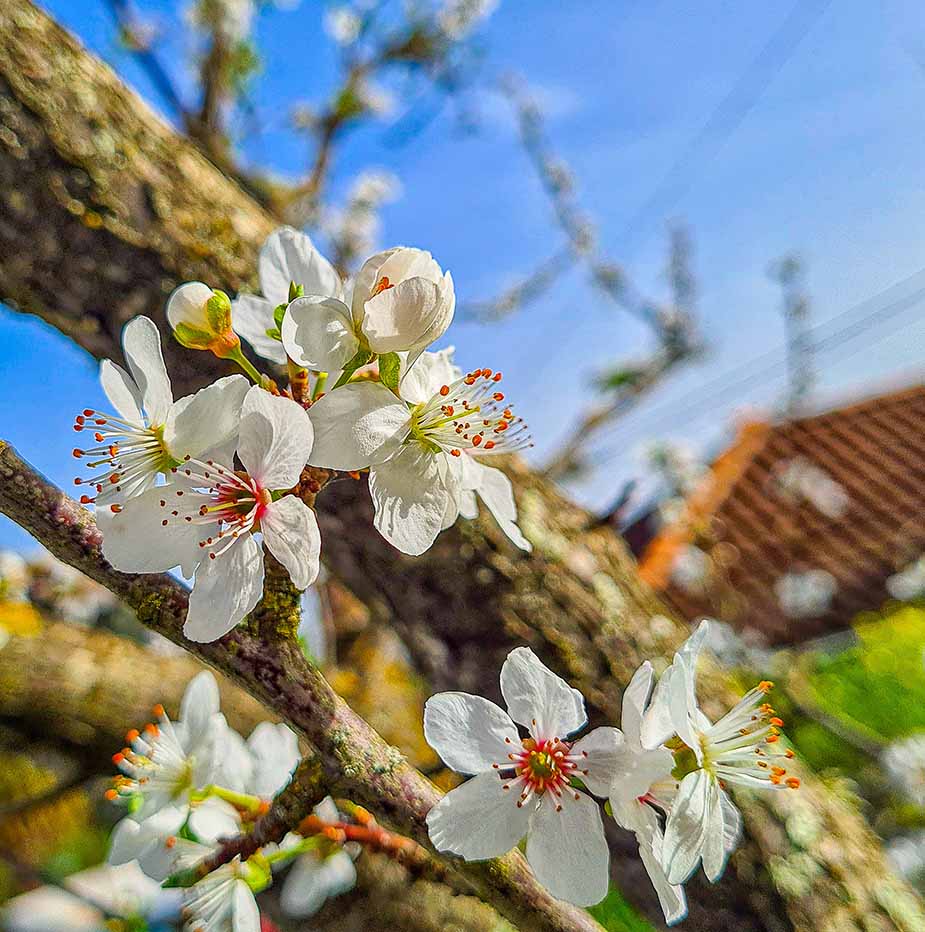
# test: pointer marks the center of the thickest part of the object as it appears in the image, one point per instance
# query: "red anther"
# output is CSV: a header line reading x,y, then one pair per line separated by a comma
x,y
382,285
100,421
77,453
111,795
78,428
496,377
793,783
211,556
131,736
771,739
170,841
449,410
113,450
778,722
78,481
89,412
118,758
454,453
498,396
765,686
486,372
79,419
114,478
502,427
489,444
164,523
353,474
115,508
788,754
98,437
476,440
158,710
85,500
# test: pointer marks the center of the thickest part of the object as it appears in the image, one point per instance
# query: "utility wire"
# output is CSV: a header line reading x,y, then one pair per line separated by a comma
x,y
773,362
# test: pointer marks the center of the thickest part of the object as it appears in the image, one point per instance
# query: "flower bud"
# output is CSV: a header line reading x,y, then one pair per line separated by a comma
x,y
200,318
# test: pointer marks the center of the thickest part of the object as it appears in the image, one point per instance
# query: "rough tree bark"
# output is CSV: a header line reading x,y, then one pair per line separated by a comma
x,y
103,209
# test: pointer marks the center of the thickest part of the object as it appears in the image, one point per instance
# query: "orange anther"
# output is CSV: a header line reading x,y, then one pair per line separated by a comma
x,y
454,453
765,686
382,285
779,722
118,758
131,736
158,710
115,508
498,396
444,390
111,795
793,783
496,377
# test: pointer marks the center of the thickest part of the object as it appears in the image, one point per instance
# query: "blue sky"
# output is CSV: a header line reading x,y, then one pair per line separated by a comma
x,y
828,160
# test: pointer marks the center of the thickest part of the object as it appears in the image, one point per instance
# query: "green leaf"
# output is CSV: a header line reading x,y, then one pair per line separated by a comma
x,y
390,370
360,359
274,334
279,314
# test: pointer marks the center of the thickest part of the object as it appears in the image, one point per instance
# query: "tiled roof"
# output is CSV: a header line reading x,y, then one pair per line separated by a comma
x,y
872,454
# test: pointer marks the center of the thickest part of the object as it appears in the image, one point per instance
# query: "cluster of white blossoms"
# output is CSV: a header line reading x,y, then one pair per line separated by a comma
x,y
204,483
664,776
191,783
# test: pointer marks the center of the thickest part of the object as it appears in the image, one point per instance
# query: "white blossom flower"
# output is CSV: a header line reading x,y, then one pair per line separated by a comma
x,y
742,748
169,759
691,569
287,256
14,576
907,854
262,765
418,448
402,301
522,787
342,24
802,478
642,789
92,896
459,17
150,433
904,762
223,901
807,594
205,520
319,874
909,583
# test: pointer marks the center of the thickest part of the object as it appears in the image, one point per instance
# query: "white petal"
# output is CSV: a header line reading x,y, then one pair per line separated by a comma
x,y
214,819
430,372
121,391
305,888
693,825
275,439
141,343
567,850
670,896
366,280
187,305
318,333
400,317
290,256
201,700
732,823
636,769
206,420
251,318
290,531
50,909
136,540
127,842
714,847
357,425
225,590
603,747
657,723
534,693
468,732
479,819
275,749
683,704
495,489
340,874
245,916
468,505
635,701
410,498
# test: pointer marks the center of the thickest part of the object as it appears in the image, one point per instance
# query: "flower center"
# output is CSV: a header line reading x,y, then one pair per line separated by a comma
x,y
128,455
226,502
542,766
470,414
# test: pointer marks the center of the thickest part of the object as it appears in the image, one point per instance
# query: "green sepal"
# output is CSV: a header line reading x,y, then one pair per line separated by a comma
x,y
278,314
274,334
390,370
685,762
218,312
608,808
296,291
361,358
193,338
184,878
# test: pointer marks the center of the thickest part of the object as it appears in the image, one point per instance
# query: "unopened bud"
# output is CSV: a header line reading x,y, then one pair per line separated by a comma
x,y
200,318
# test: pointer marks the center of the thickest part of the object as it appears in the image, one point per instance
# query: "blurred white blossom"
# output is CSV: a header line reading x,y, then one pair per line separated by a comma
x,y
14,576
909,583
355,228
800,478
342,24
807,594
904,762
907,854
457,18
691,569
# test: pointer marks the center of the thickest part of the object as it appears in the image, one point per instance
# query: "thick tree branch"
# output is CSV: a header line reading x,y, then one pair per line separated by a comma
x,y
356,762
